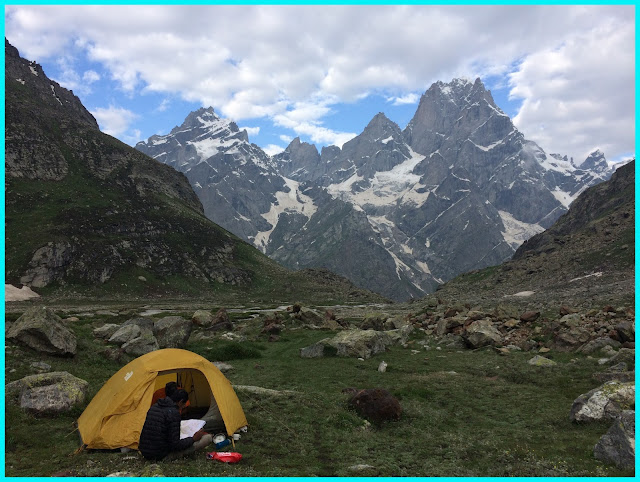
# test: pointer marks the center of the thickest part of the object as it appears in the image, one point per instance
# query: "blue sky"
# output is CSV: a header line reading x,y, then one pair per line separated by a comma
x,y
565,74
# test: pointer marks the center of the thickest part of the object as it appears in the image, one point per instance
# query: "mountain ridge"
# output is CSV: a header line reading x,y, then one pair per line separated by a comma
x,y
458,189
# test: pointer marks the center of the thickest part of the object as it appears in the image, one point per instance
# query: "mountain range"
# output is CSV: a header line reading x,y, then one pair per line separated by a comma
x,y
396,211
85,214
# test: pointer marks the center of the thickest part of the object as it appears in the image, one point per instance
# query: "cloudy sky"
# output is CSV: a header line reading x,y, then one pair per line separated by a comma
x,y
565,74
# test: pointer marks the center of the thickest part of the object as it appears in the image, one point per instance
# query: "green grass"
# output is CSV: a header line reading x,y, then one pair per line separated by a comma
x,y
495,416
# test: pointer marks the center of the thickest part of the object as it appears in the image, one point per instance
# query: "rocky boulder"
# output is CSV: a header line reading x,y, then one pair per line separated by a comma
x,y
570,338
529,316
618,445
504,312
624,355
172,331
202,318
350,343
125,333
142,344
401,335
626,331
141,321
598,344
482,333
41,329
360,343
106,331
447,325
604,403
540,361
48,393
376,405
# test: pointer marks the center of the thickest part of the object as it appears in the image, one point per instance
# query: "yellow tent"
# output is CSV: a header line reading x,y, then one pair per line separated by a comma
x,y
115,416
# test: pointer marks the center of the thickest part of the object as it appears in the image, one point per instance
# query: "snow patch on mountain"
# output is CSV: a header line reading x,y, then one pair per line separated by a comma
x,y
517,232
293,201
385,187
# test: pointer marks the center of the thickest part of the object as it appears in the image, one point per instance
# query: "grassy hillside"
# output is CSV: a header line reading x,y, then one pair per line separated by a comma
x,y
88,216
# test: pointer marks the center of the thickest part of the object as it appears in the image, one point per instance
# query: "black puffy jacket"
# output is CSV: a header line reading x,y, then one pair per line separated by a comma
x,y
161,431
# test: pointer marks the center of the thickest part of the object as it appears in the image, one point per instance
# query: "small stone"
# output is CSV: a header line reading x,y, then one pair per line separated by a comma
x,y
540,361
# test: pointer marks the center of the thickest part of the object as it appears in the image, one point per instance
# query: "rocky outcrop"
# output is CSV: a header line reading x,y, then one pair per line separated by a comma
x,y
350,343
606,402
618,445
48,393
41,329
482,333
172,331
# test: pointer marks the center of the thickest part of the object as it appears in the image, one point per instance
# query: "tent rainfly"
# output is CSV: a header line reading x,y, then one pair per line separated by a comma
x,y
115,416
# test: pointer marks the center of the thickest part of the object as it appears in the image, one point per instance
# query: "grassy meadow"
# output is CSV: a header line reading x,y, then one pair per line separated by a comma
x,y
465,413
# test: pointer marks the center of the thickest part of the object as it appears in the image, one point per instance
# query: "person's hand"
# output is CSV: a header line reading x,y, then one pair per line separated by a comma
x,y
198,435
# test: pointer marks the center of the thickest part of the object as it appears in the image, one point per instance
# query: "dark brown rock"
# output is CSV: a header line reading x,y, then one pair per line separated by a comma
x,y
221,317
529,316
376,405
565,310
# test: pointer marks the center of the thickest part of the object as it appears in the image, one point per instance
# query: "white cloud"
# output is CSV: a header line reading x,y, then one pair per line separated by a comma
x,y
164,105
285,138
252,131
273,149
90,76
292,63
114,121
410,98
579,96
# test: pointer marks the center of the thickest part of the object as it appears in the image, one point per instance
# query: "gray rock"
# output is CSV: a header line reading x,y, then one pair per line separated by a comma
x,y
360,343
42,330
603,403
125,333
627,331
540,361
172,331
106,331
598,344
202,318
318,350
618,445
41,366
452,341
624,355
141,321
48,393
571,320
362,469
504,312
401,335
446,325
350,343
142,344
482,333
223,367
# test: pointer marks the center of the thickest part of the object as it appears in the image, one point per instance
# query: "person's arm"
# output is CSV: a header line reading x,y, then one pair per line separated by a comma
x,y
174,433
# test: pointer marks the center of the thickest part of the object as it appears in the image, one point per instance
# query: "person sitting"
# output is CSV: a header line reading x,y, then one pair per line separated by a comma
x,y
166,391
160,436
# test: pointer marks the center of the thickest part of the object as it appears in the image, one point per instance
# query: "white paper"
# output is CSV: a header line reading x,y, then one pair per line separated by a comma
x,y
190,427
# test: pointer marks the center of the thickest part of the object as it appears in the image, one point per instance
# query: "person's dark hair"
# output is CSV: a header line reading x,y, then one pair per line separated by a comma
x,y
169,388
179,395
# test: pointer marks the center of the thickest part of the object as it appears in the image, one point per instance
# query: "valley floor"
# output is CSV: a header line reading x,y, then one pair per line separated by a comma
x,y
465,412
